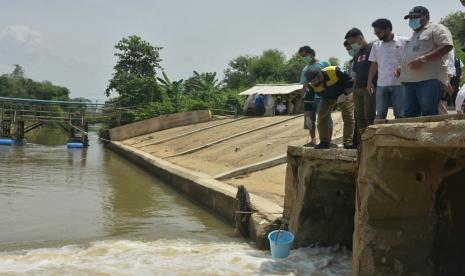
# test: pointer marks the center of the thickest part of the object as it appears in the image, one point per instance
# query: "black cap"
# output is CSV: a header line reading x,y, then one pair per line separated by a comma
x,y
417,11
313,73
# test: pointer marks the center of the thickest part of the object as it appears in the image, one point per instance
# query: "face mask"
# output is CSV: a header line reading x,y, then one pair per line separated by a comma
x,y
351,52
414,23
308,58
356,46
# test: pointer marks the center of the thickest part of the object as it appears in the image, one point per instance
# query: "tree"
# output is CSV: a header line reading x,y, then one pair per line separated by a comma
x,y
294,68
334,61
173,89
134,78
17,86
18,72
202,85
454,22
269,67
238,74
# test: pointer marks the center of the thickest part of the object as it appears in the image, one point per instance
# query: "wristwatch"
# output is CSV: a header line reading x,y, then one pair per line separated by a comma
x,y
423,59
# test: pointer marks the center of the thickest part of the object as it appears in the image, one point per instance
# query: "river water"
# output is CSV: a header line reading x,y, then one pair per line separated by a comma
x,y
92,212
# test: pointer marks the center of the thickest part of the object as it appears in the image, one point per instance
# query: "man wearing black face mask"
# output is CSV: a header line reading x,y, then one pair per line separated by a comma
x,y
385,57
330,83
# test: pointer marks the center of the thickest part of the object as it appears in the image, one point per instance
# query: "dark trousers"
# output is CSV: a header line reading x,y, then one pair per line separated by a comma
x,y
365,109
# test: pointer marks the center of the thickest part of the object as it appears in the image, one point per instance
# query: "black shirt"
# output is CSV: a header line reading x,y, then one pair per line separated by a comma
x,y
361,67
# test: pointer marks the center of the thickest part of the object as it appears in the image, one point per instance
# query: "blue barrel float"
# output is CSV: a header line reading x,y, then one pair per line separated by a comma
x,y
280,243
6,141
74,144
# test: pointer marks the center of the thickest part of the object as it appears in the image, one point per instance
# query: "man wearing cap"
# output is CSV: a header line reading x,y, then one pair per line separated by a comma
x,y
329,83
423,68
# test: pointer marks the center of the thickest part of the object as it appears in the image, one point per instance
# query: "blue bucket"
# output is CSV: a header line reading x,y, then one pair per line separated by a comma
x,y
282,247
6,141
75,145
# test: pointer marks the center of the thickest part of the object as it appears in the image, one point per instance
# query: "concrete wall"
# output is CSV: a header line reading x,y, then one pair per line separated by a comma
x,y
410,201
319,196
159,123
216,196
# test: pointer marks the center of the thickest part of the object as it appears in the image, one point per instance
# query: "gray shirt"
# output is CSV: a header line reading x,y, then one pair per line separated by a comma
x,y
431,37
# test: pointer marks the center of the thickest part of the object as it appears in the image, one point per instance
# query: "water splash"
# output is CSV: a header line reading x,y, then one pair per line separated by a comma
x,y
168,257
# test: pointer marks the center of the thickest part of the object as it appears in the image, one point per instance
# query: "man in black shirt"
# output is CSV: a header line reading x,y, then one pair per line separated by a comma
x,y
364,100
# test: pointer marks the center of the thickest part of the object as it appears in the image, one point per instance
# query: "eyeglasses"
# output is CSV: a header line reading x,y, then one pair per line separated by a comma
x,y
316,80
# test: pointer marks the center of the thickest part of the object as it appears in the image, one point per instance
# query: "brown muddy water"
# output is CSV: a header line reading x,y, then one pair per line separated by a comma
x,y
92,212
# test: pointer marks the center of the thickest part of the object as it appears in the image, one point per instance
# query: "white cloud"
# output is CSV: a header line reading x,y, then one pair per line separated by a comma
x,y
22,35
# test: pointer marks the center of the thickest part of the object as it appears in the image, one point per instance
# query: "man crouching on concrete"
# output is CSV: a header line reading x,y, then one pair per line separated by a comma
x,y
330,83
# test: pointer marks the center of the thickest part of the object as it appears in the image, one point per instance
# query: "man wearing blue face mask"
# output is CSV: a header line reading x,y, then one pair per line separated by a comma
x,y
423,68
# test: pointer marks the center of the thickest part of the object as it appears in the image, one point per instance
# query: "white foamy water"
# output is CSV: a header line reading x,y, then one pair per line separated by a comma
x,y
168,257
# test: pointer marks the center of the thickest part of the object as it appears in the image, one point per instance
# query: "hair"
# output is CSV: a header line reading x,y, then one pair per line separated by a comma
x,y
307,49
354,32
313,73
346,43
382,24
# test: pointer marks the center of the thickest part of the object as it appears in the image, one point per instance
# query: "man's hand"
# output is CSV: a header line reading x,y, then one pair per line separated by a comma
x,y
449,89
415,64
371,88
397,72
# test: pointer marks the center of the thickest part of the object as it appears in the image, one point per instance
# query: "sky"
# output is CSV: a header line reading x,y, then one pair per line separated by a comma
x,y
71,42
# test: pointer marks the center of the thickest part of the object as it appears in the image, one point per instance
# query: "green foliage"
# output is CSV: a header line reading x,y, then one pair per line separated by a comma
x,y
293,69
238,75
153,109
174,90
15,85
203,85
269,67
454,22
134,78
18,72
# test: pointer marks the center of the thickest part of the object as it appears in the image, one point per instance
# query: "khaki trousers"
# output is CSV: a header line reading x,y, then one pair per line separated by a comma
x,y
347,112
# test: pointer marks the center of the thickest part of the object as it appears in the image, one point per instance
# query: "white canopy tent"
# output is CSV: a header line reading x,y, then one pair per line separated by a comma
x,y
272,89
270,92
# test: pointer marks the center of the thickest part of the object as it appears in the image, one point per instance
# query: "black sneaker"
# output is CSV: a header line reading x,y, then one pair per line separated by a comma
x,y
322,145
350,146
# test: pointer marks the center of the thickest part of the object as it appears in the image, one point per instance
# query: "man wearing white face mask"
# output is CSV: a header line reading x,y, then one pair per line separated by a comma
x,y
423,68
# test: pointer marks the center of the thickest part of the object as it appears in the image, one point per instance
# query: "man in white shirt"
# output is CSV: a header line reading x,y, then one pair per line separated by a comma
x,y
386,56
459,100
448,90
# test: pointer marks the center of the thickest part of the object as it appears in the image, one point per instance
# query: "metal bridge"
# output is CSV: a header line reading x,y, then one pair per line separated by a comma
x,y
19,116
